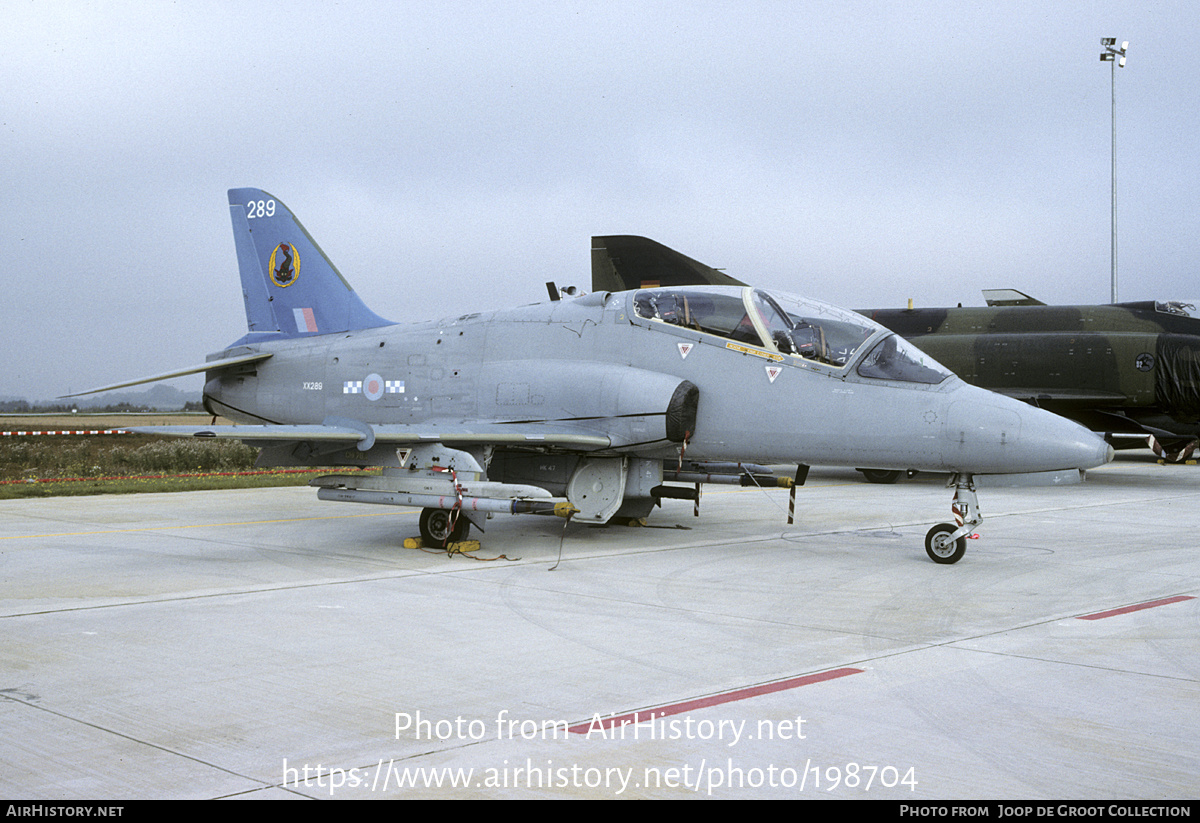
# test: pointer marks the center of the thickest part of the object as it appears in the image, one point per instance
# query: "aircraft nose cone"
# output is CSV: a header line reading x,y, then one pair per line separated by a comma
x,y
1067,443
999,435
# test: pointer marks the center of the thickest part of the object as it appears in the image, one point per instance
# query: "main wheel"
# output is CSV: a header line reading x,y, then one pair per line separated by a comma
x,y
441,526
939,546
880,475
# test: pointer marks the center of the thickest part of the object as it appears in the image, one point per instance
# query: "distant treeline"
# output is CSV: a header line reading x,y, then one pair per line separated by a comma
x,y
25,407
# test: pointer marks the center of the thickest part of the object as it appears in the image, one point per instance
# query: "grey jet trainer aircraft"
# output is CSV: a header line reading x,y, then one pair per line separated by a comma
x,y
585,406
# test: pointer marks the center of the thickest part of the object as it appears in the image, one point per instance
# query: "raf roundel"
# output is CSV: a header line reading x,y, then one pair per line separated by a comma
x,y
373,387
284,265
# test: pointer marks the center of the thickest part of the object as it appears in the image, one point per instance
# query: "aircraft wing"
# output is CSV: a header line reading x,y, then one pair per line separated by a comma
x,y
342,432
211,365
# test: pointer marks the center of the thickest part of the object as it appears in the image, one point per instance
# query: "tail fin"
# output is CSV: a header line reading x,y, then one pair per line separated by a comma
x,y
625,261
290,287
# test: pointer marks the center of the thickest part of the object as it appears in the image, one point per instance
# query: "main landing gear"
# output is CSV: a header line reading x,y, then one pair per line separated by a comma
x,y
947,543
442,526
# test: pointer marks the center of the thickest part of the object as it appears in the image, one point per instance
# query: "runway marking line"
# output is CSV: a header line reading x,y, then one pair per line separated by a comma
x,y
712,700
199,525
1135,608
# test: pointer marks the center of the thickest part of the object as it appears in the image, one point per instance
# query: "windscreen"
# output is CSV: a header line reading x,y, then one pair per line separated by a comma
x,y
894,358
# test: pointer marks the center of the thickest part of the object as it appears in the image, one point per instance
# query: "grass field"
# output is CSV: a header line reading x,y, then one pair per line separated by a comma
x,y
46,465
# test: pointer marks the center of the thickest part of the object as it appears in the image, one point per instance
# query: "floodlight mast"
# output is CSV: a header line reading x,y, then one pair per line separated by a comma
x,y
1112,54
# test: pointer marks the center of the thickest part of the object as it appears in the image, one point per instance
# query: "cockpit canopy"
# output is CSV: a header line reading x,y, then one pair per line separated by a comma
x,y
1175,307
787,325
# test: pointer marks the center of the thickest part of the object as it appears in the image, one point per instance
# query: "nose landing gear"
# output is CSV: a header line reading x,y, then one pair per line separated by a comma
x,y
947,543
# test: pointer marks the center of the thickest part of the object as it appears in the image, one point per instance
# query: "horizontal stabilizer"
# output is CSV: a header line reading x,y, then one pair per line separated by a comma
x,y
211,365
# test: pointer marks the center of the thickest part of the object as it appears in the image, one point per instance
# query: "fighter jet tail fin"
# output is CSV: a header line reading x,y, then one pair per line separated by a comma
x,y
625,261
290,287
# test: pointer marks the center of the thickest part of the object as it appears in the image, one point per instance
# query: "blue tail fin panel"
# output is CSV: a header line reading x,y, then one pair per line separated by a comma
x,y
290,287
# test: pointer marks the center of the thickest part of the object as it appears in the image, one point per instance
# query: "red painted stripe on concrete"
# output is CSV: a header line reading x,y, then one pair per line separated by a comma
x,y
1135,608
712,700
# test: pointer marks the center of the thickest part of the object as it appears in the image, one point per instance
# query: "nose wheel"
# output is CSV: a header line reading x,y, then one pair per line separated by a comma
x,y
946,542
942,546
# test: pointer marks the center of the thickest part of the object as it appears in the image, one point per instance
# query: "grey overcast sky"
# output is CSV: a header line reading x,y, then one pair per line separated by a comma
x,y
454,156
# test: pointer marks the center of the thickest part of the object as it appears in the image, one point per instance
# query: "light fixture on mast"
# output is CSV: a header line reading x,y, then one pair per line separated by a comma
x,y
1112,54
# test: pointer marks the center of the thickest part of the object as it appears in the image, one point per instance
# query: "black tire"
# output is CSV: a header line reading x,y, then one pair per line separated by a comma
x,y
436,528
884,476
942,550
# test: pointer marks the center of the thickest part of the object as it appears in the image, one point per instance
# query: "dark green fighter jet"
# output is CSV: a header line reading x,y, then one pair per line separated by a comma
x,y
1130,371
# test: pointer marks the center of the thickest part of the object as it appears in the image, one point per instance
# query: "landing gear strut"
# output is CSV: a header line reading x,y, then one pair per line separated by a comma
x,y
947,543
